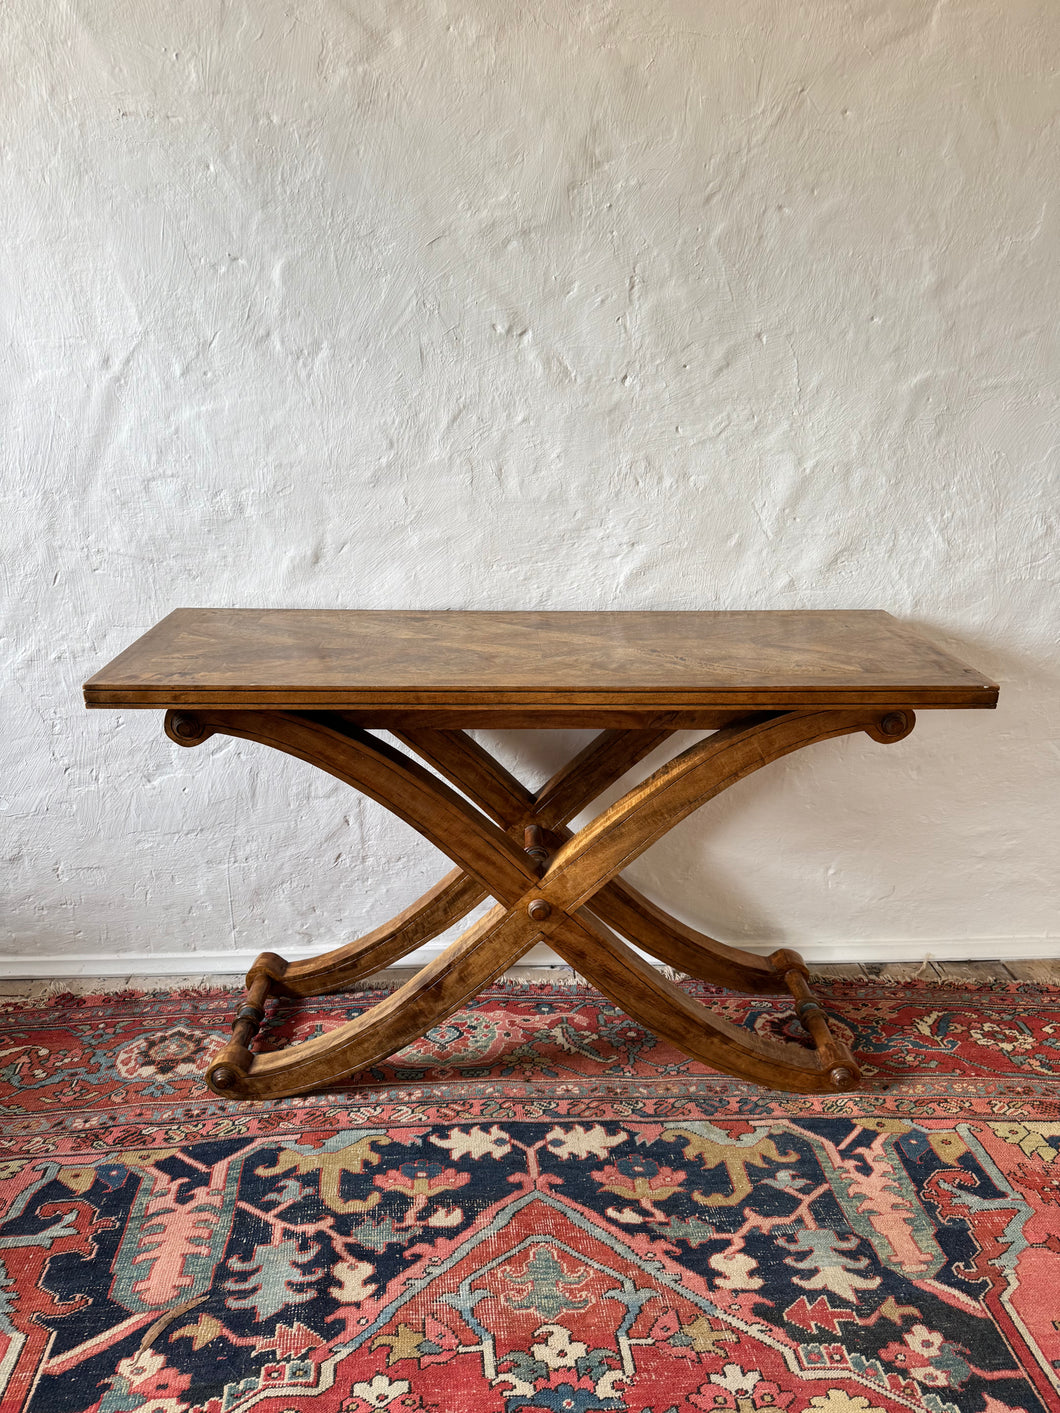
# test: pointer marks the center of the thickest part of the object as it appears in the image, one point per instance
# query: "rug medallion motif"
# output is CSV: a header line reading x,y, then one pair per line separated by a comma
x,y
537,1206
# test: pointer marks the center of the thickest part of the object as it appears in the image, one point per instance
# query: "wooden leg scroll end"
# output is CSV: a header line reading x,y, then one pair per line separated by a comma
x,y
185,728
227,1075
891,726
845,1077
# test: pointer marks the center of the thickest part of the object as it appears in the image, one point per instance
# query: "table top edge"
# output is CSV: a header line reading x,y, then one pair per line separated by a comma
x,y
150,673
974,694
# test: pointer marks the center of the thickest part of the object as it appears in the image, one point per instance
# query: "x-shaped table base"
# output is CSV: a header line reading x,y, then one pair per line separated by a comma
x,y
549,885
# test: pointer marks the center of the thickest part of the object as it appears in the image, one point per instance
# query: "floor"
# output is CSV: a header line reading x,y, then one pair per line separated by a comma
x,y
1046,971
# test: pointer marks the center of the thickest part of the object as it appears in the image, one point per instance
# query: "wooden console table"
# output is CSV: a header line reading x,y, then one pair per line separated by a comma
x,y
313,684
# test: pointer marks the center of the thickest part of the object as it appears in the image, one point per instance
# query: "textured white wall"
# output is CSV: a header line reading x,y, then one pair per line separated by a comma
x,y
641,304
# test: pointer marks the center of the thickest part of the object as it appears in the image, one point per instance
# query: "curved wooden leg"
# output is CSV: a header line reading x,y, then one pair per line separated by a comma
x,y
496,791
394,780
667,939
436,811
460,972
622,833
642,992
593,770
447,902
473,771
603,761
485,781
580,875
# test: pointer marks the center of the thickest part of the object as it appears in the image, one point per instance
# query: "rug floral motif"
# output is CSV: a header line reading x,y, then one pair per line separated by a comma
x,y
537,1206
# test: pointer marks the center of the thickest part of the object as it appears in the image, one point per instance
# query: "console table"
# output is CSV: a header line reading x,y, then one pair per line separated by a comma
x,y
314,684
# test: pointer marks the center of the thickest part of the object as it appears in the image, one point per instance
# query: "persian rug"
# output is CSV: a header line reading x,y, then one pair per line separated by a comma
x,y
538,1206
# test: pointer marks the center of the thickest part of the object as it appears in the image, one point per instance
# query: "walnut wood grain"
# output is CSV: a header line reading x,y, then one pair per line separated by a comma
x,y
632,824
497,792
620,974
604,760
533,664
451,899
457,974
402,785
529,906
463,762
680,946
307,683
591,772
534,717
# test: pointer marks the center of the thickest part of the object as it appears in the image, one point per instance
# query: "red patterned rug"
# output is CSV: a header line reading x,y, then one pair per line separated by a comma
x,y
537,1207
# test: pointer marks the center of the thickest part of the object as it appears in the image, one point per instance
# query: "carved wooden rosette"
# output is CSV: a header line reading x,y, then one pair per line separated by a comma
x,y
549,885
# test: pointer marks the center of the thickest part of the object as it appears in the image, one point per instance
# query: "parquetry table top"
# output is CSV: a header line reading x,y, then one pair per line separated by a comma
x,y
345,659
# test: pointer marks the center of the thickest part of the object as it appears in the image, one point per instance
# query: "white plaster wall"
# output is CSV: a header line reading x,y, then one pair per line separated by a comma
x,y
643,304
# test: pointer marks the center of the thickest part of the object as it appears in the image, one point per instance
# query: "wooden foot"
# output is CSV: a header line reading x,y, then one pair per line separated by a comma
x,y
646,995
548,884
465,967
